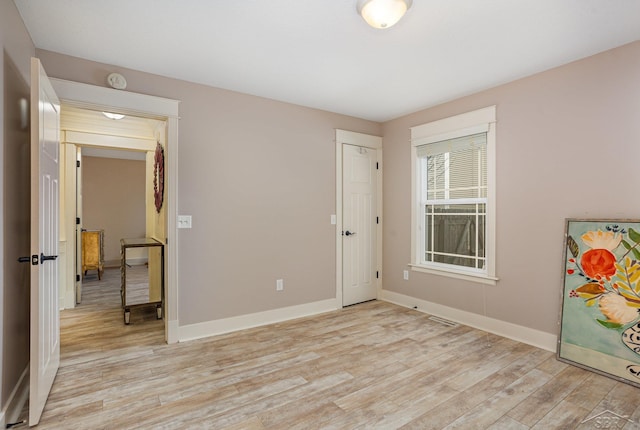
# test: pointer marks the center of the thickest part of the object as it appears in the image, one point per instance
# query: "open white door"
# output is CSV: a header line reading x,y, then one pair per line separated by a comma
x,y
45,188
79,219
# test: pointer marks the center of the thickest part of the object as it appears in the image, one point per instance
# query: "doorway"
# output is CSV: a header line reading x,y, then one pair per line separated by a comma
x,y
359,217
110,166
99,99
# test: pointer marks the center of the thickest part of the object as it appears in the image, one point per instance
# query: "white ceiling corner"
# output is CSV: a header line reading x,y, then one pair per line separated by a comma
x,y
321,54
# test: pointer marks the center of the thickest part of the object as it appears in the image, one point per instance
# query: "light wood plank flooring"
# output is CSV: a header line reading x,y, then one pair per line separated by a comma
x,y
373,365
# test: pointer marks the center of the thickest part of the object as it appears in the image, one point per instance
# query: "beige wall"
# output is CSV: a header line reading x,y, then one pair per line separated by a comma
x,y
113,199
258,178
568,145
17,50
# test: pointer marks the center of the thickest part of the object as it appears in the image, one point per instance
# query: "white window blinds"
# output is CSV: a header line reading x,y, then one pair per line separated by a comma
x,y
454,169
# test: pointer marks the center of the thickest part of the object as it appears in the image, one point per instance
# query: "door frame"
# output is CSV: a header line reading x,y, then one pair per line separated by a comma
x,y
344,137
118,101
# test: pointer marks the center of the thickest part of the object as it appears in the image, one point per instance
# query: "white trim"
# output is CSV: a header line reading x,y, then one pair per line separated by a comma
x,y
533,337
345,137
108,141
358,139
478,277
241,322
16,400
339,220
172,324
469,131
117,101
449,126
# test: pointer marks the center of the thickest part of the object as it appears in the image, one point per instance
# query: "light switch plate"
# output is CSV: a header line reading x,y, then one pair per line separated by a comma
x,y
184,221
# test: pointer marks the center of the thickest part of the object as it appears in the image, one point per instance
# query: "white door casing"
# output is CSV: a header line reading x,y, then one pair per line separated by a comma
x,y
359,210
45,190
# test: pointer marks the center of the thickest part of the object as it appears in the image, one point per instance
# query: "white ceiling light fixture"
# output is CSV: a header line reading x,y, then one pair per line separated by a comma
x,y
112,115
382,13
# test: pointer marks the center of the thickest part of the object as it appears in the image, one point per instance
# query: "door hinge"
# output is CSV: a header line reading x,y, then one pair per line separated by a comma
x,y
377,274
377,165
77,163
77,278
377,220
77,221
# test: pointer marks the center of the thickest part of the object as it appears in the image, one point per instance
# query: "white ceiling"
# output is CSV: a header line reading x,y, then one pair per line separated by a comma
x,y
321,54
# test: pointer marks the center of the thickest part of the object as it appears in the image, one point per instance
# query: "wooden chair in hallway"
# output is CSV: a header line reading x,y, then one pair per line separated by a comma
x,y
93,251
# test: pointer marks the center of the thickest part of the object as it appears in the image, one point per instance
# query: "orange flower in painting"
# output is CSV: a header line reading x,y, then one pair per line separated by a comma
x,y
598,263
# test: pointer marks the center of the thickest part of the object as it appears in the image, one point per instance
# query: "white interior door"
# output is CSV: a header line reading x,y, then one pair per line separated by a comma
x,y
79,220
45,189
359,217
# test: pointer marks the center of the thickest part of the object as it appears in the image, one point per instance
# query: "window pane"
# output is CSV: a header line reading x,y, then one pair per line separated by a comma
x,y
467,177
455,170
455,234
436,176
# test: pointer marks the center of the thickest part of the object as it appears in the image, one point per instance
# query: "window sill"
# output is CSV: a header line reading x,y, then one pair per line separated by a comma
x,y
472,277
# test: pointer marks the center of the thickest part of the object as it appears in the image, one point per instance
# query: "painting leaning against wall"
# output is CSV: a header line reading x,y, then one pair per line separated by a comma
x,y
600,315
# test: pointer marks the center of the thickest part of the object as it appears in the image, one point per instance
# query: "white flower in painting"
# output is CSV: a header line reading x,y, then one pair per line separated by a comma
x,y
602,239
616,309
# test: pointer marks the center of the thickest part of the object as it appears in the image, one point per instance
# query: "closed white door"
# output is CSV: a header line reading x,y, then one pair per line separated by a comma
x,y
45,191
359,206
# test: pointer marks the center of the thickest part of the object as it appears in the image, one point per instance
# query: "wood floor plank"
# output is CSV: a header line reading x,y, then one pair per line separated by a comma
x,y
591,391
373,365
545,398
564,415
507,423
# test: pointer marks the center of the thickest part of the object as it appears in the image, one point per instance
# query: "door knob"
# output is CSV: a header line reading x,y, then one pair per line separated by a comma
x,y
33,259
349,233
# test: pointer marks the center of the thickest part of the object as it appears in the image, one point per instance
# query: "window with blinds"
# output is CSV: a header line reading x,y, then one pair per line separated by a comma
x,y
453,196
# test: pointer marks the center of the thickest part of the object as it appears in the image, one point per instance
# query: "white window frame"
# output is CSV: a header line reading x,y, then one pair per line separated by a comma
x,y
477,121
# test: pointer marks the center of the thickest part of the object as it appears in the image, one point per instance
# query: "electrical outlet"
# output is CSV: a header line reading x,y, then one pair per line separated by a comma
x,y
405,275
279,284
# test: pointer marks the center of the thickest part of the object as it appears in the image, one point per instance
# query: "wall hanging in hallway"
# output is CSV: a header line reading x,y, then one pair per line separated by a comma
x,y
158,177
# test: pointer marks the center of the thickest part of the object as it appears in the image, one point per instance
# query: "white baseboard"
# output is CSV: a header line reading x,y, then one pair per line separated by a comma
x,y
16,400
519,333
227,325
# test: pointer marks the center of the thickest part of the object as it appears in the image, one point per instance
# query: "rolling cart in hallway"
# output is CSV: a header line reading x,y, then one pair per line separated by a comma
x,y
132,291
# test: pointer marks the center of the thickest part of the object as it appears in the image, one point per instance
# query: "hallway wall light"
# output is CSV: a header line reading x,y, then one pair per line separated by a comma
x,y
112,115
382,13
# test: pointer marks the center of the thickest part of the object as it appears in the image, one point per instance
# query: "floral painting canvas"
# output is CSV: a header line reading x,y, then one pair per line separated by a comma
x,y
600,318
